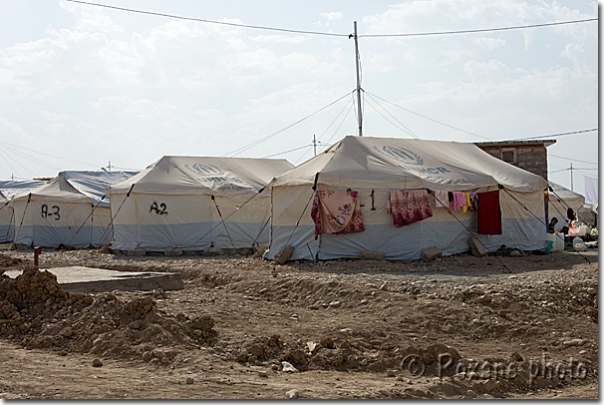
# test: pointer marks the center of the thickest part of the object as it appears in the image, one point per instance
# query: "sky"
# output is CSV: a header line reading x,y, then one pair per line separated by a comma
x,y
85,87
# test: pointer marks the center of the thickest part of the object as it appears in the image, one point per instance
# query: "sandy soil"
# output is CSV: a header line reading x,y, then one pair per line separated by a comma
x,y
457,327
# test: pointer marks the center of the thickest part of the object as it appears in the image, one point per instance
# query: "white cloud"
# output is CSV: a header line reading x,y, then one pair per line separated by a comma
x,y
490,43
493,71
128,107
11,130
332,16
279,39
132,92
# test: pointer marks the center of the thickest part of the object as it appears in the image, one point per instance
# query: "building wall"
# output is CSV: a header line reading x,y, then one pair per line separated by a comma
x,y
532,158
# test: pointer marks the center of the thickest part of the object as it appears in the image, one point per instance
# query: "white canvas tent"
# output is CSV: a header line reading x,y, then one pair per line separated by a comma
x,y
8,188
72,209
375,166
560,199
194,203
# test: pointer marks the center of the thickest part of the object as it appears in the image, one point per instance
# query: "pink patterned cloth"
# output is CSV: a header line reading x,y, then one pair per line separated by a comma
x,y
336,212
408,206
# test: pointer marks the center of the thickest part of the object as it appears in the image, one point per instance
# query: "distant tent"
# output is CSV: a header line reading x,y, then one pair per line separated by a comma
x,y
379,170
72,209
194,203
560,199
8,188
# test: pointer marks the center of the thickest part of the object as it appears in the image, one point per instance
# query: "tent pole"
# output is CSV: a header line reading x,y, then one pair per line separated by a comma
x,y
357,57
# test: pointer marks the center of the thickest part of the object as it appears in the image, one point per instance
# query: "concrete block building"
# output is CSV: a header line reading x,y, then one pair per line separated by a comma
x,y
528,155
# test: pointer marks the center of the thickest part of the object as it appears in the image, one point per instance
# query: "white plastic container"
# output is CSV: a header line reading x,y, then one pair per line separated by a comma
x,y
558,240
578,244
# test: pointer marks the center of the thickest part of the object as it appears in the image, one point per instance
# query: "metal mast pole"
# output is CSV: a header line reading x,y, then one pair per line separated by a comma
x,y
356,50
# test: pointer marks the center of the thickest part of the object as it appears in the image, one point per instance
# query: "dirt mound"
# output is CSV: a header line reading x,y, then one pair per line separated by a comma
x,y
325,354
9,261
37,311
458,327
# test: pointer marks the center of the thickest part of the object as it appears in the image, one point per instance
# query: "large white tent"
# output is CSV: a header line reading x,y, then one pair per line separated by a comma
x,y
8,188
560,199
72,209
376,167
195,203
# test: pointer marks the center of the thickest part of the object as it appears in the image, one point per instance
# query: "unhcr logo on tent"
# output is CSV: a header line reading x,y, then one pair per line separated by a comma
x,y
205,170
401,154
411,160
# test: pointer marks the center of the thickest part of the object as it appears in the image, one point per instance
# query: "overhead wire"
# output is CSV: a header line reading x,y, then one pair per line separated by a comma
x,y
479,30
555,135
9,165
349,105
332,34
287,151
234,153
46,154
27,157
428,118
326,144
573,159
404,129
258,27
266,138
480,136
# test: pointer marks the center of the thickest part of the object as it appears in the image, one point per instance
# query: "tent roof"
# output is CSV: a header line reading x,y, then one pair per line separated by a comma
x,y
8,188
565,194
389,163
195,174
80,185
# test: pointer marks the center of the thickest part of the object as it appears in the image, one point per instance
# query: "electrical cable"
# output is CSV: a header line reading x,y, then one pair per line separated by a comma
x,y
327,33
479,30
9,165
574,160
480,136
287,151
210,21
327,144
27,157
555,135
349,105
404,127
266,138
429,119
46,154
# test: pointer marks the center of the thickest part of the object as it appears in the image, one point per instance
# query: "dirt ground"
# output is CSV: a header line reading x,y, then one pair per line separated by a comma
x,y
458,327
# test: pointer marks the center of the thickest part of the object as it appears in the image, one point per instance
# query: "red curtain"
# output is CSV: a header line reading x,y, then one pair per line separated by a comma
x,y
489,214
